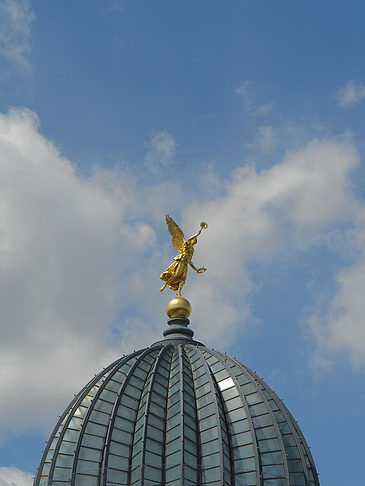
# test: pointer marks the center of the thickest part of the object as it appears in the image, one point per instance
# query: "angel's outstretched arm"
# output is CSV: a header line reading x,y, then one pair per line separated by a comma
x,y
193,266
198,270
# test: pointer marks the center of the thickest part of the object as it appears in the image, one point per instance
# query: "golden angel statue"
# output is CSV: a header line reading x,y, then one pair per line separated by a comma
x,y
175,275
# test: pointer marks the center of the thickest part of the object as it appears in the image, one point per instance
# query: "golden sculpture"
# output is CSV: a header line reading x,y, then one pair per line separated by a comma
x,y
175,275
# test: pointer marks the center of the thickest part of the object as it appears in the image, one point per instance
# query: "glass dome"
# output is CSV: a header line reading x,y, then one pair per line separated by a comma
x,y
177,413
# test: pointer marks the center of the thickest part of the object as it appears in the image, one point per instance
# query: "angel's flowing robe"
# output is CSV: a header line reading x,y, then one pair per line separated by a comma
x,y
176,273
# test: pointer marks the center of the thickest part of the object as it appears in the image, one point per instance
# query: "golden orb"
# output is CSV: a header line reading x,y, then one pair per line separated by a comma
x,y
203,225
178,307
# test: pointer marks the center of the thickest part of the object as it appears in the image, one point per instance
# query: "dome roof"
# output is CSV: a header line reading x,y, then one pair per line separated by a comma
x,y
177,413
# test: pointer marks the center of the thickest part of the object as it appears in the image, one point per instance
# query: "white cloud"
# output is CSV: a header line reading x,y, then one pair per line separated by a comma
x,y
245,93
273,215
265,138
243,90
161,150
116,6
15,32
69,263
266,217
346,324
264,110
338,322
351,94
12,476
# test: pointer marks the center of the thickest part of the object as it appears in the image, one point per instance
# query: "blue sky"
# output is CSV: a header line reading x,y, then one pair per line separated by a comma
x,y
248,115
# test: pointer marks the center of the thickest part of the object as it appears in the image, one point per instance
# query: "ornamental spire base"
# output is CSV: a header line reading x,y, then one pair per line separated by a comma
x,y
178,310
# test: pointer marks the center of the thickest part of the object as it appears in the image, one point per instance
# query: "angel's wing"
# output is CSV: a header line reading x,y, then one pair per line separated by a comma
x,y
176,233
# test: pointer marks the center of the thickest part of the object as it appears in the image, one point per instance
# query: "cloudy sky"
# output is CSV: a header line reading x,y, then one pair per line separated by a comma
x,y
247,115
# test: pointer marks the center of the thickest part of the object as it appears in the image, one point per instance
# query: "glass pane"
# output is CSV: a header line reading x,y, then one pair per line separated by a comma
x,y
129,402
121,450
190,422
71,435
123,424
118,462
173,459
136,382
209,434
173,474
209,448
95,429
234,403
262,420
99,417
156,421
268,445
203,390
61,474
81,412
292,452
113,386
159,388
87,467
288,440
273,472
238,414
241,426
172,447
253,398
171,422
295,465
284,428
64,461
266,433
243,452
249,388
244,465
152,474
108,395
208,422
206,411
89,454
86,480
230,392
297,478
258,409
67,447
191,434
190,475
209,475
154,433
210,461
152,445
133,391
117,477
274,482
241,439
103,406
222,375
173,410
272,458
121,436
248,479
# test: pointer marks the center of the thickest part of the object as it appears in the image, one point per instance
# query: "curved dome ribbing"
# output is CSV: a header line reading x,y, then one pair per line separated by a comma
x,y
177,413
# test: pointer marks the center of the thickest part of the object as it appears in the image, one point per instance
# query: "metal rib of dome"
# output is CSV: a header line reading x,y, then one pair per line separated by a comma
x,y
176,414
